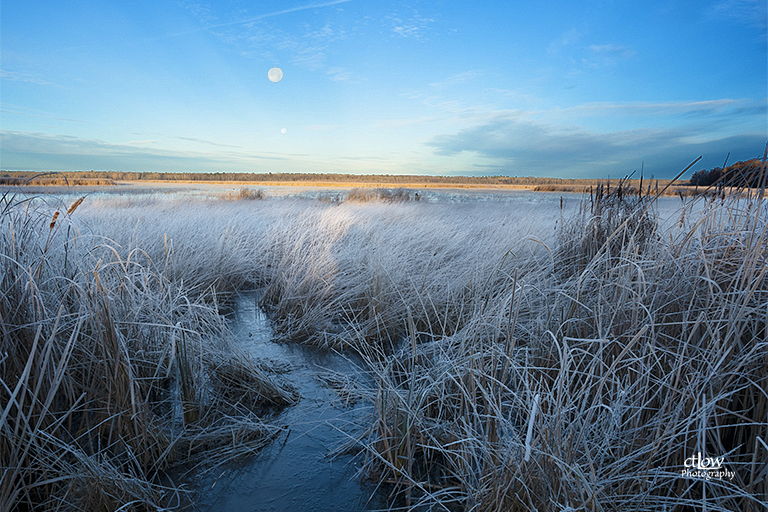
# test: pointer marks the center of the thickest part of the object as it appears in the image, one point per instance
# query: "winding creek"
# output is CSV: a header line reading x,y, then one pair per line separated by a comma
x,y
301,469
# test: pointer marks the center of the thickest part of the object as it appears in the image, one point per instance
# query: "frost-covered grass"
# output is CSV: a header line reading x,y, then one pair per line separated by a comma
x,y
111,369
334,274
524,358
587,383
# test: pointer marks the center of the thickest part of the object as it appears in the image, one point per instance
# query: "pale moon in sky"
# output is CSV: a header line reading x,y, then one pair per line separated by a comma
x,y
282,130
275,74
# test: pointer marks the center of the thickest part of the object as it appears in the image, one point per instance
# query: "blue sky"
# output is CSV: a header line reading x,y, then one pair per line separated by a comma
x,y
539,88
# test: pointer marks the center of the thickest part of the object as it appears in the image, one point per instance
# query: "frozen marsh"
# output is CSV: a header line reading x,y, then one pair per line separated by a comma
x,y
522,356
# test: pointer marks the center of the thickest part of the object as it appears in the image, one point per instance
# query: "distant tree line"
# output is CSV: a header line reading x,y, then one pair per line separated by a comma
x,y
29,179
105,177
747,173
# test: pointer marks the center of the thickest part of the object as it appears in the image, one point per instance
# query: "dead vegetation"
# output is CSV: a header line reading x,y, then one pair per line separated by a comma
x,y
591,390
106,365
516,367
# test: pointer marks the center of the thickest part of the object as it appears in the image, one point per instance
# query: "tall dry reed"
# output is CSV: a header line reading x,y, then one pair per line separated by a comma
x,y
592,387
110,370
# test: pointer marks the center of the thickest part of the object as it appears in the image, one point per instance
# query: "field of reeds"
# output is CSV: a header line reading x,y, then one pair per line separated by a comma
x,y
523,359
314,180
112,369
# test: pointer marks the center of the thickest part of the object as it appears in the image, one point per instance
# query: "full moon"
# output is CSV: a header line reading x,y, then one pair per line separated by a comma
x,y
282,130
275,74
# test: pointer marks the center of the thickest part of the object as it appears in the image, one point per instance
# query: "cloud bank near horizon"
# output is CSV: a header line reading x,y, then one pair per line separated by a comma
x,y
512,148
43,152
524,148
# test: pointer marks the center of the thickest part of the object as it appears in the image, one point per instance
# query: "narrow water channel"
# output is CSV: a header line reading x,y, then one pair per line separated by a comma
x,y
299,470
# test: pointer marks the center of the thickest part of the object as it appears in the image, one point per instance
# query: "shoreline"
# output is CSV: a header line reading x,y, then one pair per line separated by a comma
x,y
675,189
332,184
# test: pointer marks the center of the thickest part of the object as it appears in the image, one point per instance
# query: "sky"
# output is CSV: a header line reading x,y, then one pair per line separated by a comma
x,y
553,88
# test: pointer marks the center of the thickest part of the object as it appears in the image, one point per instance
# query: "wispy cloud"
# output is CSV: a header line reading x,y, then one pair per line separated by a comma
x,y
566,39
612,49
376,159
24,111
321,127
571,45
597,56
399,123
725,107
746,12
338,74
458,78
309,50
29,78
204,13
517,95
254,36
412,24
200,11
208,142
38,151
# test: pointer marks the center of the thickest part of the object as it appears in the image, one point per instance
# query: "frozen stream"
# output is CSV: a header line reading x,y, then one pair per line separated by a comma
x,y
299,469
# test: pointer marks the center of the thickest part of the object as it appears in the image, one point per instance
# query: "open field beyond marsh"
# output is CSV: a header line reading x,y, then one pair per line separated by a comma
x,y
339,181
292,184
522,357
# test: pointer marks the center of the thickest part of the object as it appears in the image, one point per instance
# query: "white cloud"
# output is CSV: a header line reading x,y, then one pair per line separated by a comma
x,y
516,95
15,76
747,12
612,50
208,142
25,111
601,55
566,38
200,11
458,78
338,74
411,25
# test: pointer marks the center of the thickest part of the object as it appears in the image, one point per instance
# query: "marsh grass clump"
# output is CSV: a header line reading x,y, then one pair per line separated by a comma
x,y
105,366
240,385
653,350
397,195
246,194
612,219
